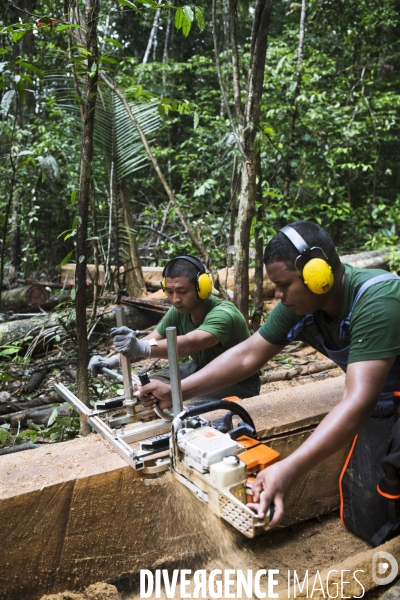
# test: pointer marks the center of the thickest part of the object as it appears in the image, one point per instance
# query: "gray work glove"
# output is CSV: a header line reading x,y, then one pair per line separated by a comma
x,y
126,342
97,363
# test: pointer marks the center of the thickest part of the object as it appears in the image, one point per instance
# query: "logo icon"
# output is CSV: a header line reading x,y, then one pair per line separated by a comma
x,y
384,568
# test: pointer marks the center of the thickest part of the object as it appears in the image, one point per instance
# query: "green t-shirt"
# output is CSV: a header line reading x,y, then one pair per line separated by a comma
x,y
222,319
374,331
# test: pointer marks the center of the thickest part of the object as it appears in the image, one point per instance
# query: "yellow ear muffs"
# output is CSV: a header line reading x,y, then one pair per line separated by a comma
x,y
204,286
318,276
163,286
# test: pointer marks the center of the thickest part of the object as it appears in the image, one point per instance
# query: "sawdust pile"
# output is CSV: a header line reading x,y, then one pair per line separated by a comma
x,y
96,591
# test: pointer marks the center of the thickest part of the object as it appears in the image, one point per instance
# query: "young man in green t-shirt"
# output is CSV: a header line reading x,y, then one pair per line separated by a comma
x,y
352,316
206,327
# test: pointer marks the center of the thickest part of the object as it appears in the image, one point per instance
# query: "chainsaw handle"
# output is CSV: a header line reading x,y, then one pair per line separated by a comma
x,y
193,411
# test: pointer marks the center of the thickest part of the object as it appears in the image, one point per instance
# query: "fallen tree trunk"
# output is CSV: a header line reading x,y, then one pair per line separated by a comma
x,y
10,331
7,409
371,259
40,415
283,374
25,297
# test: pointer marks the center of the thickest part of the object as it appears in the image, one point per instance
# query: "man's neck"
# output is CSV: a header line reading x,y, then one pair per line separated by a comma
x,y
198,314
334,303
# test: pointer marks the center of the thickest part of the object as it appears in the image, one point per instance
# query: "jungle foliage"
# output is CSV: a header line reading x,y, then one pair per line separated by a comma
x,y
328,140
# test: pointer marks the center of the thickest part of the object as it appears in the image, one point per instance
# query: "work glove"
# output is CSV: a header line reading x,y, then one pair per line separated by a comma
x,y
97,363
126,342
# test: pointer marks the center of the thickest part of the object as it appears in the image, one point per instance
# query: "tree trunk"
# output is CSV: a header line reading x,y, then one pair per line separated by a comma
x,y
248,130
295,108
15,240
259,248
92,11
134,279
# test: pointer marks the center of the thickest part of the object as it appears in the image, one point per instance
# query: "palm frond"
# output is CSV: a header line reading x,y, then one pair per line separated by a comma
x,y
117,136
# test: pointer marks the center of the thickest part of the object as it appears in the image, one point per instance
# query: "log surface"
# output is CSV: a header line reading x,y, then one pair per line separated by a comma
x,y
25,297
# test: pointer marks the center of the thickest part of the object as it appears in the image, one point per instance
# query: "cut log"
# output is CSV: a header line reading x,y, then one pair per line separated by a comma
x,y
24,298
94,517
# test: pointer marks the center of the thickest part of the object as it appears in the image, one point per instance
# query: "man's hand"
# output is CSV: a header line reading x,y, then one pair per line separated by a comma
x,y
154,393
97,363
270,487
126,342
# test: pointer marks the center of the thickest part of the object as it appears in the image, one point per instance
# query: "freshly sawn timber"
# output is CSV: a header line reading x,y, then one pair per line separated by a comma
x,y
93,518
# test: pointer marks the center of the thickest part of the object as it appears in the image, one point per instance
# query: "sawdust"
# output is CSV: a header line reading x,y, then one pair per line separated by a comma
x,y
312,546
181,512
96,591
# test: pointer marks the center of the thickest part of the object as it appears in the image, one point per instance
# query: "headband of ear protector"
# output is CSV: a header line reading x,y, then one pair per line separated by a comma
x,y
203,283
312,264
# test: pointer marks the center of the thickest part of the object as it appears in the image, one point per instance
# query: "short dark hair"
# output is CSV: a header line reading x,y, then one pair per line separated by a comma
x,y
182,268
281,249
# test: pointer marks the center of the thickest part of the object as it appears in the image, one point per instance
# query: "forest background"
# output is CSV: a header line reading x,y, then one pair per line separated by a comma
x,y
327,136
135,131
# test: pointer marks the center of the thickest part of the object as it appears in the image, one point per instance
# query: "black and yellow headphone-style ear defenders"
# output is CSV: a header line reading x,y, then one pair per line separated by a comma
x,y
312,264
204,282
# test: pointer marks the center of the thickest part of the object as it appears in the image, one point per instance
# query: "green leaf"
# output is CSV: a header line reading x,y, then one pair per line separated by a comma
x,y
73,293
73,197
186,26
195,120
114,42
127,3
3,435
179,16
199,17
33,426
109,60
30,67
17,35
188,12
53,417
65,259
69,26
6,102
8,350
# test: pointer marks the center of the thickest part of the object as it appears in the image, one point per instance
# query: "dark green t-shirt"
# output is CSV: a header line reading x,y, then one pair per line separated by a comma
x,y
222,319
374,331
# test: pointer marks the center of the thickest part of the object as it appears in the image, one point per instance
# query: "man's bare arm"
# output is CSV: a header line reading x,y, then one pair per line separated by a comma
x,y
364,382
232,366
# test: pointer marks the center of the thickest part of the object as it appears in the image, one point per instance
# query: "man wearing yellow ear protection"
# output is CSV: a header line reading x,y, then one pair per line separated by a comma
x,y
206,327
352,316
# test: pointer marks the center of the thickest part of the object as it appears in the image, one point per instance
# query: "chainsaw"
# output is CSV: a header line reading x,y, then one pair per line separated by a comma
x,y
216,461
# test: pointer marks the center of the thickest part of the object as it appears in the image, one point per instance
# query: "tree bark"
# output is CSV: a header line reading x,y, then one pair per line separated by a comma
x,y
248,131
134,279
295,108
92,11
259,266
